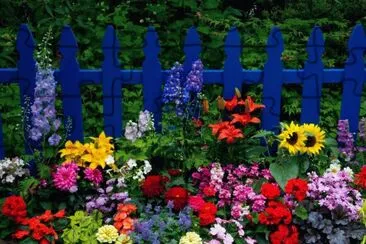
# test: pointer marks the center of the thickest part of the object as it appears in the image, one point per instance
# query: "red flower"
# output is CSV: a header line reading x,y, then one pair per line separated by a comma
x,y
46,216
208,208
360,178
20,234
174,172
209,191
196,202
153,186
197,122
60,214
206,219
298,188
285,235
216,128
275,213
270,190
251,106
230,105
230,133
15,207
178,195
244,119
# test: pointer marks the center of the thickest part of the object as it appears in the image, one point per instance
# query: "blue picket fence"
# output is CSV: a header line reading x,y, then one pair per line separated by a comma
x,y
112,77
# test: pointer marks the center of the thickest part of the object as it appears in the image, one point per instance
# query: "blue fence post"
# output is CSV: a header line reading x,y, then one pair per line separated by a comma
x,y
26,78
233,70
152,76
112,84
353,78
272,81
69,77
313,78
192,49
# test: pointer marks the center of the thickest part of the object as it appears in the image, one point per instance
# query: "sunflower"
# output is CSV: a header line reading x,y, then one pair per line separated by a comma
x,y
315,138
292,137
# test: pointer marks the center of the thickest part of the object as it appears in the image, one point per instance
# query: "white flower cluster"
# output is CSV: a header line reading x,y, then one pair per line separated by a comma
x,y
137,130
335,167
133,169
11,168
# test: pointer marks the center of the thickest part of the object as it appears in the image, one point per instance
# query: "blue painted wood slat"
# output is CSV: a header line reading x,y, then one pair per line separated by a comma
x,y
112,84
192,49
233,69
152,77
353,78
272,81
69,77
312,78
26,65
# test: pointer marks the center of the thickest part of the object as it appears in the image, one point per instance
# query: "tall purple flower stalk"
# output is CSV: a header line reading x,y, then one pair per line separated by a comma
x,y
345,139
44,120
181,92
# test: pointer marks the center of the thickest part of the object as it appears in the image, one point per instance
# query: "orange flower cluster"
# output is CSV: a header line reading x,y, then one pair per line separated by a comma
x,y
39,227
122,220
241,114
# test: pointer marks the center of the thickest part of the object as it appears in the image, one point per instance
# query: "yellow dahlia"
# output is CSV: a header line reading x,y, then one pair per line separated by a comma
x,y
190,238
292,138
107,234
315,138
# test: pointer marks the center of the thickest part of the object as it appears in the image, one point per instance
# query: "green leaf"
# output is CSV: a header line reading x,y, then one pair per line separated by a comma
x,y
301,212
46,205
282,172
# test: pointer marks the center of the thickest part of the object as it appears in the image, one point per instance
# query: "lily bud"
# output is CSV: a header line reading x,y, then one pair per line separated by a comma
x,y
221,103
237,93
205,106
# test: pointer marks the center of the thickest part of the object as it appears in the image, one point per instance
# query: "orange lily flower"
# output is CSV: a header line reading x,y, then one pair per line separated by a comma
x,y
250,106
230,133
218,126
244,119
230,105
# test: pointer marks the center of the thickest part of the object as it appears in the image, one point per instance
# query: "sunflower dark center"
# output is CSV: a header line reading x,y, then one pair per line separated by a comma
x,y
292,139
310,141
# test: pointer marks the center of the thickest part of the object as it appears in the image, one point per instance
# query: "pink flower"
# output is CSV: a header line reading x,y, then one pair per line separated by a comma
x,y
65,177
93,175
196,202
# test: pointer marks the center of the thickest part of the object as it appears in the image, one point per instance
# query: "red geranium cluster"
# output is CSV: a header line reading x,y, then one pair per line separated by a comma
x,y
178,195
285,234
360,178
206,210
154,185
38,227
298,188
275,213
241,114
270,190
14,207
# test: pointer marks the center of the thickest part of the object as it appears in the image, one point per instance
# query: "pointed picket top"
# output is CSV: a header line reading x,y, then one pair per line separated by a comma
x,y
232,43
192,43
275,45
110,40
25,40
151,44
357,39
68,44
315,45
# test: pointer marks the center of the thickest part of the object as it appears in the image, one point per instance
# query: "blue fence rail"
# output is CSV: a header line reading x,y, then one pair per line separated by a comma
x,y
112,77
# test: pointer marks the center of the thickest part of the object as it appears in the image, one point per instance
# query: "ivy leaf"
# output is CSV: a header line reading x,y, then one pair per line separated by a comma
x,y
301,212
282,172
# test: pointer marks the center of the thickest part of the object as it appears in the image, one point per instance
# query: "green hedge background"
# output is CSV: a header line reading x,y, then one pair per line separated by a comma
x,y
172,18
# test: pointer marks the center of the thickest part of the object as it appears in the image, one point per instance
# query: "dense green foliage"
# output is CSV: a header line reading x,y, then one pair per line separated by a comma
x,y
172,18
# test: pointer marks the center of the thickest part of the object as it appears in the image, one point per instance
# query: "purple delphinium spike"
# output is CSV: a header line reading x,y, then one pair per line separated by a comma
x,y
43,109
345,139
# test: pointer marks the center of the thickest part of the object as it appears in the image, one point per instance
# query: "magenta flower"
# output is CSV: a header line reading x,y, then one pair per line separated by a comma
x,y
93,175
65,177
